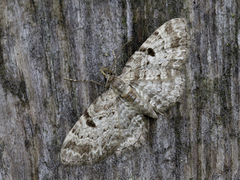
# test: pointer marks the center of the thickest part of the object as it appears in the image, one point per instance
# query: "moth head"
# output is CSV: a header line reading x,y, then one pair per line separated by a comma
x,y
108,75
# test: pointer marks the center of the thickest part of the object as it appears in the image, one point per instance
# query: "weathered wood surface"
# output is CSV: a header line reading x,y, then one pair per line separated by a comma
x,y
44,41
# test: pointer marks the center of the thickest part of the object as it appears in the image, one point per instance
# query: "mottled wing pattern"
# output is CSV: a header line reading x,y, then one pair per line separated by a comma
x,y
111,123
95,134
155,69
108,125
131,124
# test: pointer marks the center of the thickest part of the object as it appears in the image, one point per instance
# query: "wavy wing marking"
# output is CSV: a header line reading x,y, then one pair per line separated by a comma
x,y
95,134
166,49
156,68
108,125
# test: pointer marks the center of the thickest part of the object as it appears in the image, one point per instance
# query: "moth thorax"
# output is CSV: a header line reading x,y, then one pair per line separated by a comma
x,y
119,85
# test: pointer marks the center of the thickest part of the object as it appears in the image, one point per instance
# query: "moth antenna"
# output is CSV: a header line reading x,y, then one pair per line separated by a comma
x,y
75,80
115,57
115,62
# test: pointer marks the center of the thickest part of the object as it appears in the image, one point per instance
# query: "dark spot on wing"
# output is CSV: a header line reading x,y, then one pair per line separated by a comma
x,y
169,27
86,115
81,149
147,41
73,130
155,33
90,123
176,42
70,145
145,75
137,74
89,120
151,52
142,49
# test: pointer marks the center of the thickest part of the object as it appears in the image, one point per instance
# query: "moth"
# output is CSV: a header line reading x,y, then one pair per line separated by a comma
x,y
151,82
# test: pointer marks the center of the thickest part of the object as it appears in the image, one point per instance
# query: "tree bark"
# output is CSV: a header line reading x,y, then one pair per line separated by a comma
x,y
42,42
